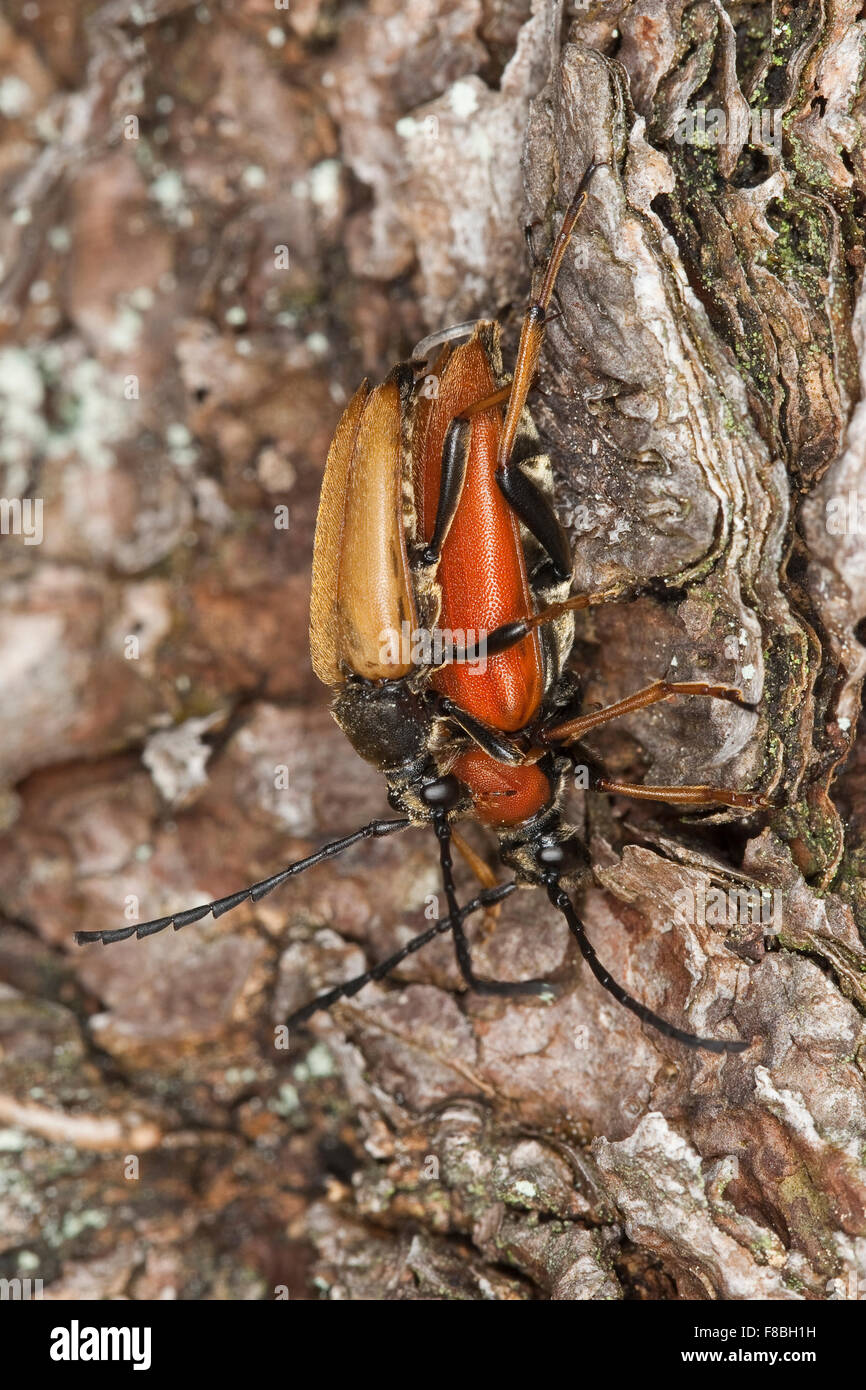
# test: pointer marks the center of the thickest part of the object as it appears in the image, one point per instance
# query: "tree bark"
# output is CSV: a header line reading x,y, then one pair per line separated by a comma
x,y
700,395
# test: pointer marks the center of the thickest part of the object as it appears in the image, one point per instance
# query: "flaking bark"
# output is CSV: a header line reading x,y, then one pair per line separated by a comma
x,y
701,396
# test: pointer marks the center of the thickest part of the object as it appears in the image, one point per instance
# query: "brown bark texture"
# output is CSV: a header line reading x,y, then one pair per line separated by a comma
x,y
220,218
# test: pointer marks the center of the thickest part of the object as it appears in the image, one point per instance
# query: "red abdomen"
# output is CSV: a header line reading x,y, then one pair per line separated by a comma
x,y
482,570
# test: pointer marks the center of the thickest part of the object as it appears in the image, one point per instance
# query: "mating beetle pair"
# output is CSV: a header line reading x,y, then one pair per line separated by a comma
x,y
436,516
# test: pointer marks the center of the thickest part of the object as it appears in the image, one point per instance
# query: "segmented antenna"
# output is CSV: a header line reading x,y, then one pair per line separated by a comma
x,y
375,830
560,899
453,921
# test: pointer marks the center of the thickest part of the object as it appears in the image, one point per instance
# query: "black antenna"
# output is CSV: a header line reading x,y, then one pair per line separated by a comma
x,y
375,830
441,925
560,899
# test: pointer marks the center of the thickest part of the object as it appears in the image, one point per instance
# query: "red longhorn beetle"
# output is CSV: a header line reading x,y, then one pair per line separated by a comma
x,y
436,515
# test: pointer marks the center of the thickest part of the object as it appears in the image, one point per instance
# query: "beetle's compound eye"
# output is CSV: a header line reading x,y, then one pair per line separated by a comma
x,y
445,792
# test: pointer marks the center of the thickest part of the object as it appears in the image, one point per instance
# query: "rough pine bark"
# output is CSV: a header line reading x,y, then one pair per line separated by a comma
x,y
221,218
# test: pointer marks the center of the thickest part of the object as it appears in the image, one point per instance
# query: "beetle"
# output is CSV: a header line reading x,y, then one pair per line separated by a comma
x,y
436,520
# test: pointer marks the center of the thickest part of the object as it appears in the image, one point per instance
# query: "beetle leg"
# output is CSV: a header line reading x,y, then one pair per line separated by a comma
x,y
461,945
254,893
494,742
455,457
701,795
423,350
538,516
528,230
532,331
486,403
509,634
531,507
574,729
452,476
484,900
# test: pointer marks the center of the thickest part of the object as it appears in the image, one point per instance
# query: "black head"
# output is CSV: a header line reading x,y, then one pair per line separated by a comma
x,y
422,793
443,792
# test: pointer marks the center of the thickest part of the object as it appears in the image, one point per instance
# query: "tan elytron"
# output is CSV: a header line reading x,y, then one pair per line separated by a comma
x,y
362,589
